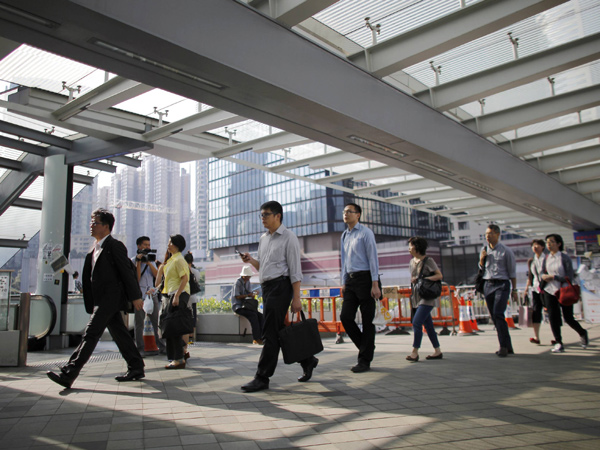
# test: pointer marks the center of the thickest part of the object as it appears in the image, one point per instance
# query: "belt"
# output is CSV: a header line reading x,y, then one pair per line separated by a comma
x,y
275,280
496,281
362,273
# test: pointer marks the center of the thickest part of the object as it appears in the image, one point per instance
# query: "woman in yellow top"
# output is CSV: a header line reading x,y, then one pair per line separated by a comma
x,y
176,292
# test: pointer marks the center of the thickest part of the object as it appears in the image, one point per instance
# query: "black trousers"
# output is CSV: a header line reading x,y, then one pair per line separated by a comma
x,y
103,318
496,294
554,316
357,294
256,320
277,297
175,344
537,307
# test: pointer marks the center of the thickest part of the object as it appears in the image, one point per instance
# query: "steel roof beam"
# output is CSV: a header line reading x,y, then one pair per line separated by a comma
x,y
290,12
15,182
14,243
365,175
456,205
194,124
512,74
553,139
321,161
587,187
33,135
578,174
27,204
114,91
264,144
206,67
565,159
403,186
10,164
83,179
446,33
538,111
430,194
23,146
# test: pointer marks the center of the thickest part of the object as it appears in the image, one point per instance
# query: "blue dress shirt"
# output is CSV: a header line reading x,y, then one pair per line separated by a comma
x,y
359,252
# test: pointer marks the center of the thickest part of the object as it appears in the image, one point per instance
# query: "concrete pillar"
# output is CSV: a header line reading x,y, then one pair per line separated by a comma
x,y
56,199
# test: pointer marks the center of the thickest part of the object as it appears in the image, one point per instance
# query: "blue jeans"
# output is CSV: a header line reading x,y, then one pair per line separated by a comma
x,y
423,317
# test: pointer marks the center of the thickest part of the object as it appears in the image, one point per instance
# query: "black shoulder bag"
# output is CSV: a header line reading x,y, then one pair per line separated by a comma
x,y
427,289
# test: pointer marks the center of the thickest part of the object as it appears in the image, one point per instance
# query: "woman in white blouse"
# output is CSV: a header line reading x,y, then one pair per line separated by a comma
x,y
556,268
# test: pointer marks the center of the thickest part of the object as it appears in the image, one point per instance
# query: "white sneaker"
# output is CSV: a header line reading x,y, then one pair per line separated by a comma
x,y
558,348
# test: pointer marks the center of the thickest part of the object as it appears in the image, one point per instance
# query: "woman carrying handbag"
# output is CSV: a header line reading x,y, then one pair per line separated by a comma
x,y
422,266
176,295
556,269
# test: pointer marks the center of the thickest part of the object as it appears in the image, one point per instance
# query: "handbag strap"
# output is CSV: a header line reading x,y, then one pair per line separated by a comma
x,y
422,266
569,281
300,316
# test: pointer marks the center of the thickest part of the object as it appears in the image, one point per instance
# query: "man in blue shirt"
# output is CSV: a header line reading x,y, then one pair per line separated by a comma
x,y
500,273
360,285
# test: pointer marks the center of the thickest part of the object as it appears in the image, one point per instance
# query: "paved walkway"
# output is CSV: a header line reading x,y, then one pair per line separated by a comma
x,y
469,400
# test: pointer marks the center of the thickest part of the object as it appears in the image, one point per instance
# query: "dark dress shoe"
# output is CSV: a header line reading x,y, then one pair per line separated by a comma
x,y
61,379
255,386
503,352
360,367
308,370
131,375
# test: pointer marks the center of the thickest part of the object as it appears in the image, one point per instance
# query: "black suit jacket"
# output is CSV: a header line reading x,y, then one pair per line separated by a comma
x,y
113,281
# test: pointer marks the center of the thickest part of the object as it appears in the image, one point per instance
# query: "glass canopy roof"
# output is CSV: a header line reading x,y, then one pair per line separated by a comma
x,y
572,20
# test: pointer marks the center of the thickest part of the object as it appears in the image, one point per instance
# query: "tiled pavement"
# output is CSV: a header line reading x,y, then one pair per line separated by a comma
x,y
469,400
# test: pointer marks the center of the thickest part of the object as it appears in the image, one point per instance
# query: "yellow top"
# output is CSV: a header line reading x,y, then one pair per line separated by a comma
x,y
175,268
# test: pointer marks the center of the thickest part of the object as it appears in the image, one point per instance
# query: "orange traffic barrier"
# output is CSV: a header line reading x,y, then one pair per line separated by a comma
x,y
149,340
508,316
472,316
464,324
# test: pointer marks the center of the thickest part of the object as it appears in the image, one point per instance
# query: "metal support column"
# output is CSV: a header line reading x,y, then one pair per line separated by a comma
x,y
52,233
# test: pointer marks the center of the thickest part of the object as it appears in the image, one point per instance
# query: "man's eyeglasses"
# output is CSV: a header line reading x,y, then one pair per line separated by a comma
x,y
92,223
349,211
265,215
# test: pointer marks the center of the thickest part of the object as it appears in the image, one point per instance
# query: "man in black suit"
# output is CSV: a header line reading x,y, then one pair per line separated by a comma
x,y
108,281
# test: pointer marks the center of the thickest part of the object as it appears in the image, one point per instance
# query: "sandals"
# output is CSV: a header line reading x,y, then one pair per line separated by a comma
x,y
440,356
534,340
411,359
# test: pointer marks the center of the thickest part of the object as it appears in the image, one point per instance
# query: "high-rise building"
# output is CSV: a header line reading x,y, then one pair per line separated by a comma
x,y
199,221
311,211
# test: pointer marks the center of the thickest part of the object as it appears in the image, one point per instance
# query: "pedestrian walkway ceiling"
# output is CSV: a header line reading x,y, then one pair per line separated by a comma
x,y
484,109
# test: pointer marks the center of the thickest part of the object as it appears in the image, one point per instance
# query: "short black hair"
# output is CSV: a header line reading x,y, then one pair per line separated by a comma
x,y
357,208
274,207
538,242
420,244
178,241
189,258
105,216
75,274
559,240
141,239
495,228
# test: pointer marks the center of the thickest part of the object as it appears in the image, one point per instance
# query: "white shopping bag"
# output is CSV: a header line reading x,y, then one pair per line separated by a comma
x,y
148,305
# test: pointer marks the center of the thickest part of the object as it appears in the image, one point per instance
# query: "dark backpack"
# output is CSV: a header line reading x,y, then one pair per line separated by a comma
x,y
194,286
